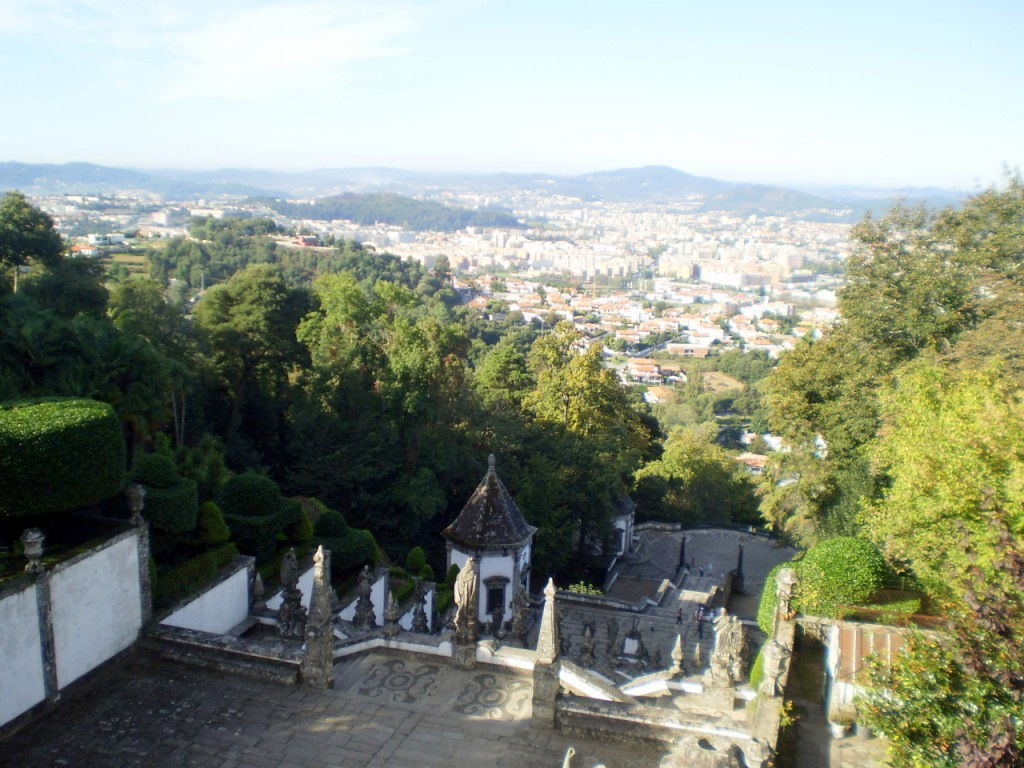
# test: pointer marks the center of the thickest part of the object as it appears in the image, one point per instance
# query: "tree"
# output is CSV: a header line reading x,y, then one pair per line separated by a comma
x,y
952,448
26,234
956,699
695,480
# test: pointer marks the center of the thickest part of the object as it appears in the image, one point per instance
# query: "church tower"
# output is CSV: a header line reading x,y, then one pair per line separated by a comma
x,y
492,528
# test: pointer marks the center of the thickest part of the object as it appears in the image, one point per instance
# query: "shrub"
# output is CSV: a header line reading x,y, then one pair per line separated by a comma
x,y
211,526
57,455
171,501
837,572
250,495
757,669
349,552
770,598
330,525
172,509
415,560
154,470
256,536
426,573
451,576
192,575
300,531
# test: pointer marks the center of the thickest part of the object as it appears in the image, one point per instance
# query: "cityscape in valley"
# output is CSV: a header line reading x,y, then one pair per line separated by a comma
x,y
477,383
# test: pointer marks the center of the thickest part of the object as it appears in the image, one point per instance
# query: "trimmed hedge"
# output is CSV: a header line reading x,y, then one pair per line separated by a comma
x,y
256,536
349,552
415,560
192,575
330,525
300,531
250,495
210,525
173,509
58,454
770,598
837,572
154,470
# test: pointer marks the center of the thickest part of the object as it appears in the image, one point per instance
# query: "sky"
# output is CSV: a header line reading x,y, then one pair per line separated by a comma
x,y
894,93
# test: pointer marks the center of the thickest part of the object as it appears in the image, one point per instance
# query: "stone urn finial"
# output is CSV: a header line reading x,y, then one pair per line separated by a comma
x,y
32,544
136,494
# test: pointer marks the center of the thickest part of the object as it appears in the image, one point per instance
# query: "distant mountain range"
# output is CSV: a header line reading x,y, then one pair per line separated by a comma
x,y
647,184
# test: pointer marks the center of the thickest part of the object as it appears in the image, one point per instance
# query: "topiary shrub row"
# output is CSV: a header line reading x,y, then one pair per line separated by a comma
x,y
58,454
172,501
257,515
192,575
351,548
834,573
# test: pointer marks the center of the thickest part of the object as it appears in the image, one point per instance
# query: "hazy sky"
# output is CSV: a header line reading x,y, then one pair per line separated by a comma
x,y
895,92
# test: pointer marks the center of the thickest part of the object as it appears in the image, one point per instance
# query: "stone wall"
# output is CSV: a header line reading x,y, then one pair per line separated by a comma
x,y
221,607
58,624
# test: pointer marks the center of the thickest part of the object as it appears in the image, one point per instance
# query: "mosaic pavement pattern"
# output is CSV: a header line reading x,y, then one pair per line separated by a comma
x,y
149,713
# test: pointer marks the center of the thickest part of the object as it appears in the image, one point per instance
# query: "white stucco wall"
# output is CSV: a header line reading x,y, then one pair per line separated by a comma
x,y
217,610
305,585
21,661
97,608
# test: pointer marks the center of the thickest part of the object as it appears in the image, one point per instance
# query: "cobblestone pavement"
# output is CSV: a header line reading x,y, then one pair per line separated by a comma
x,y
150,713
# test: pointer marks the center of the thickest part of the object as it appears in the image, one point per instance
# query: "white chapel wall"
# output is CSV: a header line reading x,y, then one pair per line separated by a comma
x,y
97,607
21,654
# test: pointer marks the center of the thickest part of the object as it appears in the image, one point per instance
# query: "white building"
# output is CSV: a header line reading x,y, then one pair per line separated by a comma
x,y
492,528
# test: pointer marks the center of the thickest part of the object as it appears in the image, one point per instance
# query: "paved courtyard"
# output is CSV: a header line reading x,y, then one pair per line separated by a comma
x,y
384,711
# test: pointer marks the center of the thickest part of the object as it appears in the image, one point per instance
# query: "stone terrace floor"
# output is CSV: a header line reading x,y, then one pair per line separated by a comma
x,y
384,711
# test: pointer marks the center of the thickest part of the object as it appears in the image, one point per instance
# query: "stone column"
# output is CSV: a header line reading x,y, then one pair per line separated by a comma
x,y
546,665
317,667
136,494
32,543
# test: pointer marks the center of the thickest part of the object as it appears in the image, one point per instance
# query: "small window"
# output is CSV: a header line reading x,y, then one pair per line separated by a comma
x,y
495,599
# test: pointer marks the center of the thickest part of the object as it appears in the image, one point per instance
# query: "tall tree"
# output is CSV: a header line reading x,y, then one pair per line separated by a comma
x,y
26,234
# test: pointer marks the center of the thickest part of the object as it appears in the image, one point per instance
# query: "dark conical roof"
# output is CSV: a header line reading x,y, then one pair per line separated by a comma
x,y
490,518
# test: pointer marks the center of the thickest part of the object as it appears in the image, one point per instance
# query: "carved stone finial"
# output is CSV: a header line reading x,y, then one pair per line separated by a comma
x,y
364,618
587,658
419,614
258,593
289,570
491,462
32,545
391,616
547,640
678,660
519,616
136,494
318,656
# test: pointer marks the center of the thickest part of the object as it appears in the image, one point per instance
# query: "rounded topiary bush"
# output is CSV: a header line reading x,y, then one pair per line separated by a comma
x,y
415,560
171,500
451,576
301,530
255,513
154,470
173,509
250,495
211,526
426,573
58,454
770,598
837,572
330,525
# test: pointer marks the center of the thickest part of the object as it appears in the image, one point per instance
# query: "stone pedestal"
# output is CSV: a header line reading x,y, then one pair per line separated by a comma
x,y
545,695
463,655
